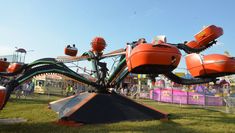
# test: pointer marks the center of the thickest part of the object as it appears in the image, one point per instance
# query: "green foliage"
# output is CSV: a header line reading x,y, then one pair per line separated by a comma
x,y
183,119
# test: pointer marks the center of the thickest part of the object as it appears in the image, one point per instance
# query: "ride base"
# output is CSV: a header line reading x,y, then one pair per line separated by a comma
x,y
96,108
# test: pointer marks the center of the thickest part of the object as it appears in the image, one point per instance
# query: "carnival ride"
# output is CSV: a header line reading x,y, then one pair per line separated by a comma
x,y
103,106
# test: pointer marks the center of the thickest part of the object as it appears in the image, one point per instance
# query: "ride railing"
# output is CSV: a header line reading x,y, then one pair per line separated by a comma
x,y
169,95
230,104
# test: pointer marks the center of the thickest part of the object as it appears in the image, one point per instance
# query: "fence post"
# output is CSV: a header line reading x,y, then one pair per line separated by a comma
x,y
171,95
187,96
160,95
204,99
153,96
204,90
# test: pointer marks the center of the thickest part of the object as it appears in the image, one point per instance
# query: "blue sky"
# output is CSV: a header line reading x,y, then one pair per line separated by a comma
x,y
47,26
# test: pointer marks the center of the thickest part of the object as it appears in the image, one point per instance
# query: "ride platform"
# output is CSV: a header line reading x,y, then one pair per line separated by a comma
x,y
96,108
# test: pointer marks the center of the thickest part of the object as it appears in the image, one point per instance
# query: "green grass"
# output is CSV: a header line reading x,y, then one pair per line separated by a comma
x,y
182,119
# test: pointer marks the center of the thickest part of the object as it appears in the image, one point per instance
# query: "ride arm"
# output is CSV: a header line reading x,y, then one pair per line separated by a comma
x,y
94,62
53,69
189,50
191,81
44,61
120,67
120,78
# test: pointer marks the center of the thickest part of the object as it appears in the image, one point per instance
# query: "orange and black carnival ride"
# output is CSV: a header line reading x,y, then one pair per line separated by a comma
x,y
140,57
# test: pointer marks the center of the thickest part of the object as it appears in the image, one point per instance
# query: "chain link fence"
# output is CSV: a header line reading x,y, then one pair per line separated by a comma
x,y
215,103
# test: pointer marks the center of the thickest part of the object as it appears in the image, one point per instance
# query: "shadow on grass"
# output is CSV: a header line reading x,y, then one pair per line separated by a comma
x,y
199,107
203,115
29,101
152,127
33,100
225,119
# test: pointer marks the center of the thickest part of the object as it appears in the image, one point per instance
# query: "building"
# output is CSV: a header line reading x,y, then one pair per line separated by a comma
x,y
52,83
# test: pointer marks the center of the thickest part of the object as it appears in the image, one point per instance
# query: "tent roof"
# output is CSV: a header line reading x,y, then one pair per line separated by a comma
x,y
21,50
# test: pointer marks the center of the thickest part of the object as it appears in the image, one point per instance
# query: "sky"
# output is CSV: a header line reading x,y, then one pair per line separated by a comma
x,y
47,26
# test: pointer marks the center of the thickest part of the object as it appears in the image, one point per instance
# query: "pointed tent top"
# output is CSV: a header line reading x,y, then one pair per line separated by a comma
x,y
21,50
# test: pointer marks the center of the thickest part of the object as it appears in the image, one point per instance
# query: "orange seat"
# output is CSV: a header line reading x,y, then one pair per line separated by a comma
x,y
205,36
98,44
147,58
71,51
210,65
193,44
3,65
208,34
14,67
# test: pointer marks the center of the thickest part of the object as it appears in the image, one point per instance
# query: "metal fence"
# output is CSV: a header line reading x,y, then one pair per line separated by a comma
x,y
230,104
169,95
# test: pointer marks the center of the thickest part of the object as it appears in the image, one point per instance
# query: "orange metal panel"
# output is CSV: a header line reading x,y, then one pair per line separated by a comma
x,y
194,64
208,34
209,64
146,54
2,95
70,51
3,65
14,67
193,44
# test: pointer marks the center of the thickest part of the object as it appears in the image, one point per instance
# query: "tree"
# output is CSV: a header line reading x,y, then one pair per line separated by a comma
x,y
227,53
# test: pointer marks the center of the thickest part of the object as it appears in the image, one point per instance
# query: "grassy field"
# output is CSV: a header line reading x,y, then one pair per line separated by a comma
x,y
183,119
